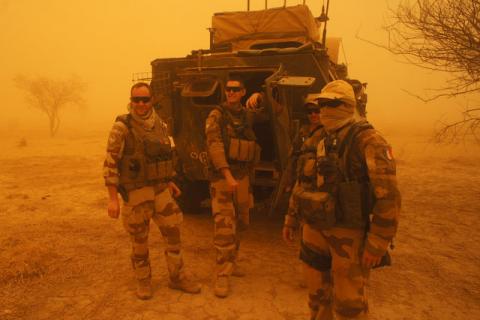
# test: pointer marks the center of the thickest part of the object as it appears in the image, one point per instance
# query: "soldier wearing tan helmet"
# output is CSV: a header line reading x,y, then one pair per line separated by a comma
x,y
139,165
347,197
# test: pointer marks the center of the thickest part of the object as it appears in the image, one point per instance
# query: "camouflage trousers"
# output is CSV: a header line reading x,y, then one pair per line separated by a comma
x,y
333,272
155,204
231,214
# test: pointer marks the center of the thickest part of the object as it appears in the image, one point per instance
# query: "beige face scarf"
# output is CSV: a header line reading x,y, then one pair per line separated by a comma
x,y
334,118
147,121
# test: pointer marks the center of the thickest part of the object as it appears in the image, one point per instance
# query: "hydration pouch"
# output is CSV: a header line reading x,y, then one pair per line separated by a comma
x,y
350,212
317,208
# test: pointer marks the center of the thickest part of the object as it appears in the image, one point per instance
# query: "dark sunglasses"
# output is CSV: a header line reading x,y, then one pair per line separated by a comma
x,y
233,89
142,99
331,103
310,111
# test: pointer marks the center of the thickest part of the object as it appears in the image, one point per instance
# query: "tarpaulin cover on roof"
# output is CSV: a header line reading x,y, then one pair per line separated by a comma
x,y
244,29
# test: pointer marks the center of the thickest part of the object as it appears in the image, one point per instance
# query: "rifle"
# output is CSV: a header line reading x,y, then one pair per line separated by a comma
x,y
287,173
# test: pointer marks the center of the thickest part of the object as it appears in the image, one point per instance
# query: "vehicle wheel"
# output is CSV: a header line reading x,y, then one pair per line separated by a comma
x,y
194,194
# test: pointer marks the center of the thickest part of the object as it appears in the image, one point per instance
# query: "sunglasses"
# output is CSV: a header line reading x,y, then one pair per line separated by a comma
x,y
140,98
331,103
233,89
310,111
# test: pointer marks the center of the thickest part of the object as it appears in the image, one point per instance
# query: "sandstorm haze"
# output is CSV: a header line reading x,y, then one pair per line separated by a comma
x,y
62,257
105,42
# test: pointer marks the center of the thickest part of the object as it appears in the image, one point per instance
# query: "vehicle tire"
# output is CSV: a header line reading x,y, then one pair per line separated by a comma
x,y
194,194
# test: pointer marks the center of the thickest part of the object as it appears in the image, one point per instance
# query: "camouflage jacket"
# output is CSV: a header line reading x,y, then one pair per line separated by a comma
x,y
215,129
370,159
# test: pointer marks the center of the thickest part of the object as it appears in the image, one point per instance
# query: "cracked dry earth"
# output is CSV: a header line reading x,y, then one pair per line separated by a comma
x,y
61,257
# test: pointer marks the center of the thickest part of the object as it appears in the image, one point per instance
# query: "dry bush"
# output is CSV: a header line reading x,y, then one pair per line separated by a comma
x,y
22,260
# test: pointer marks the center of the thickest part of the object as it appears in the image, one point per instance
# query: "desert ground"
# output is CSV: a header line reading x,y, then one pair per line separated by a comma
x,y
62,257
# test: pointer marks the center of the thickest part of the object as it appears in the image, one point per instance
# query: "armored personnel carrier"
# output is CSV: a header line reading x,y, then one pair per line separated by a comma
x,y
282,53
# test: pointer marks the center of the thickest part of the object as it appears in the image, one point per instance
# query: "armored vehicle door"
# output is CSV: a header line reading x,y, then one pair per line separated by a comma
x,y
285,96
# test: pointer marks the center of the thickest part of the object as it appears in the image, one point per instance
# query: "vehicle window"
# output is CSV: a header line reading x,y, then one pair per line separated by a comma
x,y
203,91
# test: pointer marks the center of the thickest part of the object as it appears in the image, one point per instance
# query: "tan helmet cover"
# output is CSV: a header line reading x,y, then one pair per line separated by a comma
x,y
338,90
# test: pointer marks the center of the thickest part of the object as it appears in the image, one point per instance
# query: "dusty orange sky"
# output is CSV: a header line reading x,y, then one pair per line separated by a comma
x,y
106,41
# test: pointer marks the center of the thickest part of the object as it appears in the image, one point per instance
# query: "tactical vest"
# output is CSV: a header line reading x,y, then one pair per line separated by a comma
x,y
340,197
238,136
147,155
307,155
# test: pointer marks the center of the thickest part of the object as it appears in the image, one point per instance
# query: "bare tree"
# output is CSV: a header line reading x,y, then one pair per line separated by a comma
x,y
467,126
440,35
443,36
51,95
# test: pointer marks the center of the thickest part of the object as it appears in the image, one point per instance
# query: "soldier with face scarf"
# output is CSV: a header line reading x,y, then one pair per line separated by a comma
x,y
348,200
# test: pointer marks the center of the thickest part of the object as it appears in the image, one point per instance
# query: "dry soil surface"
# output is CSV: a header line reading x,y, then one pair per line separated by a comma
x,y
61,257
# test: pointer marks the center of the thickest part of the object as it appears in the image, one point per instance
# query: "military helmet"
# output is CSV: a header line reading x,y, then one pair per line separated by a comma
x,y
338,90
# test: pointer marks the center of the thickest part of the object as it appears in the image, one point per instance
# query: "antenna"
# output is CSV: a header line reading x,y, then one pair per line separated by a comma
x,y
284,3
324,37
266,4
248,5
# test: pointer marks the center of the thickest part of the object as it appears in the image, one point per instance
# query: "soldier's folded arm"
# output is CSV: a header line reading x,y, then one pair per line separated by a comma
x,y
385,213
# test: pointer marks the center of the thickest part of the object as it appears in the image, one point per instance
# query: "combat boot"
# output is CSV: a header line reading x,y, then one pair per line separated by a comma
x,y
238,271
144,289
185,284
222,286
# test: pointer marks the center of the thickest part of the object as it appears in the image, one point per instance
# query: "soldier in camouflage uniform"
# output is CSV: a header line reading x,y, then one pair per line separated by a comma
x,y
139,166
232,149
346,195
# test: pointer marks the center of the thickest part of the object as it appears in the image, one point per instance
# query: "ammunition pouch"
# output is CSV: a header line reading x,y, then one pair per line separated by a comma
x,y
159,170
139,172
317,208
243,150
156,150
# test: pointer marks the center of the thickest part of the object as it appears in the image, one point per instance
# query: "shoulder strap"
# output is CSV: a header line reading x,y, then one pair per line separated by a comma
x,y
314,130
125,119
347,143
223,126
